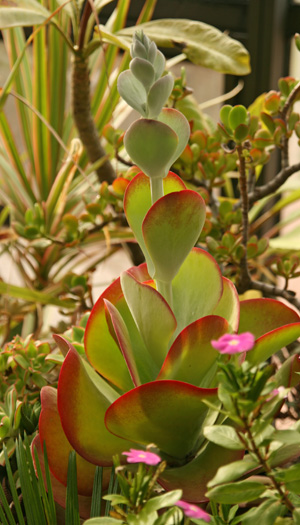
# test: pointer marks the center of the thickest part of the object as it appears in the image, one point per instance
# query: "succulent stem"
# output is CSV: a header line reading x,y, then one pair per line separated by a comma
x,y
165,289
157,189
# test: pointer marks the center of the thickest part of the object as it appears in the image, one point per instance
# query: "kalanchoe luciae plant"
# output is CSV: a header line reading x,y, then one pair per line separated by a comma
x,y
150,372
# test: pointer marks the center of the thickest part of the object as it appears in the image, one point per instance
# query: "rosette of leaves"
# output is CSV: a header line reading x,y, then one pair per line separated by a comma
x,y
156,366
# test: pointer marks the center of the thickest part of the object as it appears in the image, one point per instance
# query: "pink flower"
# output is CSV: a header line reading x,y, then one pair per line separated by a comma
x,y
275,392
192,511
234,343
142,456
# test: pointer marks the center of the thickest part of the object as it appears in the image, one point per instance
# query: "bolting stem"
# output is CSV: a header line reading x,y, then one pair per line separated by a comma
x,y
157,189
165,289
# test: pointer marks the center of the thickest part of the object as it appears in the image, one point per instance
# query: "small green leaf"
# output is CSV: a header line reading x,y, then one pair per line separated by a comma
x,y
223,435
233,471
239,492
237,116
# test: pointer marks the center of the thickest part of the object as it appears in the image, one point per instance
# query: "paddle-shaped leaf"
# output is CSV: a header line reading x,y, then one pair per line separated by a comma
x,y
167,413
82,406
101,349
191,356
260,316
178,123
152,314
137,201
272,342
151,146
170,229
58,447
229,305
194,296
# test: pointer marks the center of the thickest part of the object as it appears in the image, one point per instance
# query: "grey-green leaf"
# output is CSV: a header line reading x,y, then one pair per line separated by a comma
x,y
159,94
202,44
132,91
143,71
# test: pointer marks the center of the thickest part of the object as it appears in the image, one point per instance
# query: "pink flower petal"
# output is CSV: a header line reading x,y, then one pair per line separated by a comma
x,y
142,456
234,343
192,511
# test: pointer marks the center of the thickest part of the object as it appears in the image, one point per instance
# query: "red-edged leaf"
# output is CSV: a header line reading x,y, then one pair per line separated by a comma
x,y
58,447
191,357
101,349
260,316
229,305
170,229
137,202
124,341
58,489
197,288
152,314
82,402
288,374
193,477
272,342
167,413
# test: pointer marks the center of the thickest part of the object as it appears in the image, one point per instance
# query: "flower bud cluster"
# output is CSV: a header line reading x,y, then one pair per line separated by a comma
x,y
142,86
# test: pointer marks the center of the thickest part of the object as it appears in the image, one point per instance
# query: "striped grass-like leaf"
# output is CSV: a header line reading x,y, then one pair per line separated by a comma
x,y
46,495
13,489
30,490
110,490
97,493
72,506
6,515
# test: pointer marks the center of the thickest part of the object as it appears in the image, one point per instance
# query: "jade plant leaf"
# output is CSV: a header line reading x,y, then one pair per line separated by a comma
x,y
192,356
137,201
82,413
260,316
194,296
151,146
201,43
193,477
167,413
170,229
152,314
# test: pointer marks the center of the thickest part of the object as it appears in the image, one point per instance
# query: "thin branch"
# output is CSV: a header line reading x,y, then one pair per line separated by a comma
x,y
244,278
274,184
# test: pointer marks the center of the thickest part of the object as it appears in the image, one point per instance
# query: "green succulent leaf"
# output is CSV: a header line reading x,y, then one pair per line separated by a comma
x,y
191,356
133,92
153,316
82,413
150,414
170,229
137,202
178,123
158,95
151,146
143,71
260,316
